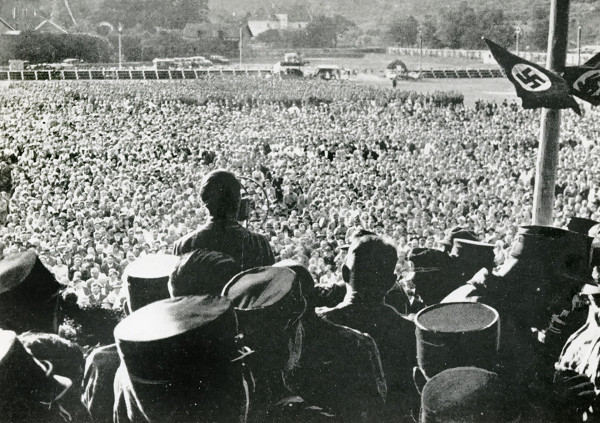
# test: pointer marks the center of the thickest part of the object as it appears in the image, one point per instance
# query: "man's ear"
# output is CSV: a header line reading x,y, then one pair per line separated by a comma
x,y
345,273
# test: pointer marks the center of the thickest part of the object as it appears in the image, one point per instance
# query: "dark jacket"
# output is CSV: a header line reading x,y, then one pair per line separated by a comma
x,y
228,237
339,370
395,339
98,380
138,401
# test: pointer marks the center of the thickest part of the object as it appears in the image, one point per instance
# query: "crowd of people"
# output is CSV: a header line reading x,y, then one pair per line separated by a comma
x,y
105,174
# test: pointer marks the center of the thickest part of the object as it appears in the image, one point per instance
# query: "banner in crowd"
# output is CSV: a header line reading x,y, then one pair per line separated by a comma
x,y
536,86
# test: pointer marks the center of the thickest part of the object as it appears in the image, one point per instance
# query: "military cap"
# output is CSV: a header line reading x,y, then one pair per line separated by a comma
x,y
548,253
307,283
581,225
316,295
28,293
431,274
266,290
468,257
147,279
170,341
202,272
25,378
456,334
473,250
464,394
268,302
428,259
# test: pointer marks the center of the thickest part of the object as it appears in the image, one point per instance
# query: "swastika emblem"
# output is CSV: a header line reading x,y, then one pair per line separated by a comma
x,y
589,83
530,78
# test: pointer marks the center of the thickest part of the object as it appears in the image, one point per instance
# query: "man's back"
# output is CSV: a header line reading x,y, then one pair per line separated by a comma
x,y
100,368
339,370
395,339
228,237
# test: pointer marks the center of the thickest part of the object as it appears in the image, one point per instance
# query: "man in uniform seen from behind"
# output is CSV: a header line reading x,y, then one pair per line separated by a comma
x,y
369,272
220,193
339,368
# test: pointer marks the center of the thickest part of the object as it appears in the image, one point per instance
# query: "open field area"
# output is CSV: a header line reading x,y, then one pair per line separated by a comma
x,y
380,61
371,71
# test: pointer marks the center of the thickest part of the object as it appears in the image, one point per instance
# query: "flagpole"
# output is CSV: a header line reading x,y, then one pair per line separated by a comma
x,y
547,160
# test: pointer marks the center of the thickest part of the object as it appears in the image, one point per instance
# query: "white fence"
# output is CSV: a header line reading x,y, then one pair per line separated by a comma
x,y
484,55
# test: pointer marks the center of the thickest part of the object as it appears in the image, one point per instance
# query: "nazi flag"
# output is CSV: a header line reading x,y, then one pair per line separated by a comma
x,y
535,85
584,82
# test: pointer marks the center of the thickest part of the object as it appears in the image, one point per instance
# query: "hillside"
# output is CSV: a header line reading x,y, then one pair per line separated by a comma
x,y
374,14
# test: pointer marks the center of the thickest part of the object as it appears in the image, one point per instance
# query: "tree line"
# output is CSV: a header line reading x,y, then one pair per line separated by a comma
x,y
152,28
463,28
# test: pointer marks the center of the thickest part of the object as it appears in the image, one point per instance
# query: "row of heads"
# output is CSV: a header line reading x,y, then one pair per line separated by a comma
x,y
176,340
30,296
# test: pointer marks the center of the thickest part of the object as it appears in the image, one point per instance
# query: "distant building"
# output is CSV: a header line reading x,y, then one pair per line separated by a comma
x,y
49,27
29,15
277,22
6,29
20,15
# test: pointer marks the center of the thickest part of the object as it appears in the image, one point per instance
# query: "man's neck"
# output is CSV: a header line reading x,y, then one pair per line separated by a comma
x,y
357,297
222,219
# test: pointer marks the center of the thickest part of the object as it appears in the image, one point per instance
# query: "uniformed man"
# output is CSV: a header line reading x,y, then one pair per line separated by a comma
x,y
579,364
29,390
369,272
547,265
339,368
146,282
180,363
269,305
220,193
202,272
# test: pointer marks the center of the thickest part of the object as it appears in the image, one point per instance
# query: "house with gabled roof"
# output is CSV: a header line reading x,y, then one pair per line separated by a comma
x,y
278,21
49,27
28,15
7,29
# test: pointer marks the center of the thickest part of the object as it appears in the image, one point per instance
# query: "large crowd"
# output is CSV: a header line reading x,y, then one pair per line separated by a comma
x,y
104,174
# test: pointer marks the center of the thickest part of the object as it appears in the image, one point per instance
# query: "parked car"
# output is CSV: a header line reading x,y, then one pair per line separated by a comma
x,y
70,63
215,58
